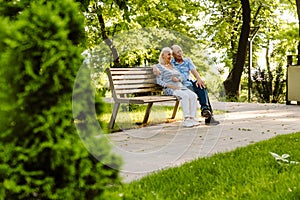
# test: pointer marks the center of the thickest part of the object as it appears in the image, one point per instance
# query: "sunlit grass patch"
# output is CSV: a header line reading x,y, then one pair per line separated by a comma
x,y
246,173
131,116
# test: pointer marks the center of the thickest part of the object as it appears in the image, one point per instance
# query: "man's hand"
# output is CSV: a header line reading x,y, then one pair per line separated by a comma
x,y
200,83
155,70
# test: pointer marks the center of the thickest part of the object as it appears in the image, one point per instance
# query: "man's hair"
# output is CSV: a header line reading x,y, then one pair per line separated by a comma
x,y
175,46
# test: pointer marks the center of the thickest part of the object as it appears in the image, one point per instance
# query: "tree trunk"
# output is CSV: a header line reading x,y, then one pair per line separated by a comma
x,y
232,82
108,42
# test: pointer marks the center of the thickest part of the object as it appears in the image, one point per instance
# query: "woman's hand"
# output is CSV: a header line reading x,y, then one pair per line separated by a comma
x,y
175,79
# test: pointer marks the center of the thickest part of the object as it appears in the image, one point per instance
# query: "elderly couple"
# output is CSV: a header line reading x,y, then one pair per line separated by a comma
x,y
173,73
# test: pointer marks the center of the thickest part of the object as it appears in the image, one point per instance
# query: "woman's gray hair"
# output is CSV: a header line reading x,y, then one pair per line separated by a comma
x,y
163,51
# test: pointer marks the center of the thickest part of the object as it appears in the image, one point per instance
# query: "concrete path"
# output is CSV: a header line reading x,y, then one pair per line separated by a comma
x,y
153,148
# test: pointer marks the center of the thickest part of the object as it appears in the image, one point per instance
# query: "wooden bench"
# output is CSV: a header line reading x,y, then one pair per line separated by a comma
x,y
136,85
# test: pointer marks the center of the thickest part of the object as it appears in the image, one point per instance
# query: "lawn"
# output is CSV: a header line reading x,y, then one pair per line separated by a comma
x,y
131,116
249,172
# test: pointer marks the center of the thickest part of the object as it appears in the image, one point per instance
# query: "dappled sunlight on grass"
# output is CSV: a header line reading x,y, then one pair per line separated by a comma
x,y
132,119
131,116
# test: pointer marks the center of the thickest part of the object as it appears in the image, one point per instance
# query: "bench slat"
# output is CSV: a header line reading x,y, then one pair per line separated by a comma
x,y
133,81
130,72
131,69
142,90
135,86
146,99
133,76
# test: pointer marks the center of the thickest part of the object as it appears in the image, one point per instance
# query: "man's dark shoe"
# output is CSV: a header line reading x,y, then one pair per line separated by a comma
x,y
211,121
206,113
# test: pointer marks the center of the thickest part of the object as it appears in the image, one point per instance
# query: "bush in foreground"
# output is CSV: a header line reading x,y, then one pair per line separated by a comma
x,y
41,154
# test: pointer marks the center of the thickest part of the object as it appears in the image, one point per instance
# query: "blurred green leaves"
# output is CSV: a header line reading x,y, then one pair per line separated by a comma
x,y
41,154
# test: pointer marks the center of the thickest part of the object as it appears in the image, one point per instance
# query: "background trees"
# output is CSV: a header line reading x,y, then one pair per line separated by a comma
x,y
216,26
225,28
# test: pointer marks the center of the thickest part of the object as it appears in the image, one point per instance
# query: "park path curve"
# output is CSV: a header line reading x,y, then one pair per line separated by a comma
x,y
153,148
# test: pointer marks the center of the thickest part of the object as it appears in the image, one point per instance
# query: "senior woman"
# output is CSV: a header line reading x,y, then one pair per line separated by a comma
x,y
171,80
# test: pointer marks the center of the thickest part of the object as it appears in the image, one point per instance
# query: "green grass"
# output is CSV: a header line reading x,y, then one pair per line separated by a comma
x,y
246,173
131,116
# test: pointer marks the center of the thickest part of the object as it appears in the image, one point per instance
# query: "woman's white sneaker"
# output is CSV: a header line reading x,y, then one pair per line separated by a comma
x,y
188,123
195,122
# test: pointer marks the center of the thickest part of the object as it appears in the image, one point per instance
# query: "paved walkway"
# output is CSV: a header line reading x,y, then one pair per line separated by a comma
x,y
157,147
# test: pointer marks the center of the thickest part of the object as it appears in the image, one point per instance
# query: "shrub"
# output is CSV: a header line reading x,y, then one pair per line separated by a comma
x,y
41,154
269,85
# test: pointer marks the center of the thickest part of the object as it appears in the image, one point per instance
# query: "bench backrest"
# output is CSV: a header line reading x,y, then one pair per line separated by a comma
x,y
126,81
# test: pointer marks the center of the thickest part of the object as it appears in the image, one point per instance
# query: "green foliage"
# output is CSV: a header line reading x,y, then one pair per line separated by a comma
x,y
127,15
11,9
268,86
224,21
142,47
215,24
41,155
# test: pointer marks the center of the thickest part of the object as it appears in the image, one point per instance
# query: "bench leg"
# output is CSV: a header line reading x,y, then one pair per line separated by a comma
x,y
147,112
175,109
114,115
